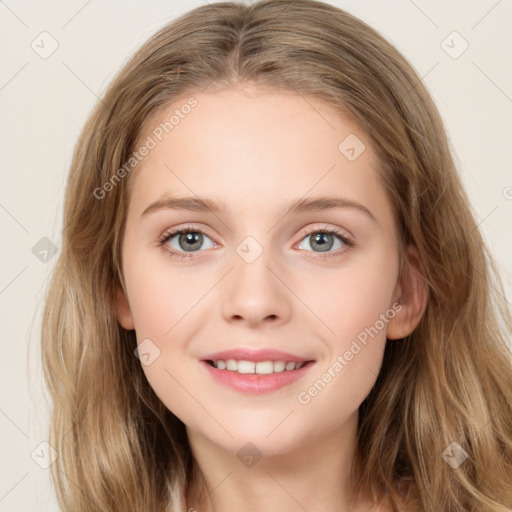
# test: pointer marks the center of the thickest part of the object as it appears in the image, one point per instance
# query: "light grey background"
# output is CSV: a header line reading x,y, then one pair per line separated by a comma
x,y
45,101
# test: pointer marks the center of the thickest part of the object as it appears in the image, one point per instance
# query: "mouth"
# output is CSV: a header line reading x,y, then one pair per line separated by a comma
x,y
256,377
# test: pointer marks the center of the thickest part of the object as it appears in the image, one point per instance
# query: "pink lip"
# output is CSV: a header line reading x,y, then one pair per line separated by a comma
x,y
251,383
254,355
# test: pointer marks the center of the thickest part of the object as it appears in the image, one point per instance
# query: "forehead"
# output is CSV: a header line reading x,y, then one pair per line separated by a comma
x,y
250,148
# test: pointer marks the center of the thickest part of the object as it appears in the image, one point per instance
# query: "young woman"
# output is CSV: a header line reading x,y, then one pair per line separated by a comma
x,y
272,293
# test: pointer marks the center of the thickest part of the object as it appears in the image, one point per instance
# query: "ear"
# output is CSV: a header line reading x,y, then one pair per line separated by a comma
x,y
411,292
123,311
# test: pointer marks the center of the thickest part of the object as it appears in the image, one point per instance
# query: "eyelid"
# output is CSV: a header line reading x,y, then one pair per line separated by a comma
x,y
188,227
323,227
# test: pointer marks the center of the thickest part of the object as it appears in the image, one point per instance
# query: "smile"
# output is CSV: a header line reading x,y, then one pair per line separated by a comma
x,y
259,377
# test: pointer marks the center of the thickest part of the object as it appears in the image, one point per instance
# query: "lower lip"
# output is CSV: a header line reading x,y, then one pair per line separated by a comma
x,y
255,384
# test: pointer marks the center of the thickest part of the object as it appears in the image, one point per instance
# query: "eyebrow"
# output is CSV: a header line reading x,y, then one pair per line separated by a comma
x,y
300,205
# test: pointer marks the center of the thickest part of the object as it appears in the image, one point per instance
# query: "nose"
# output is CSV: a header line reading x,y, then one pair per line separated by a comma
x,y
255,292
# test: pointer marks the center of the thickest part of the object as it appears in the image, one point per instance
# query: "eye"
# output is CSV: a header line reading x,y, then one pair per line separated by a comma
x,y
324,240
183,241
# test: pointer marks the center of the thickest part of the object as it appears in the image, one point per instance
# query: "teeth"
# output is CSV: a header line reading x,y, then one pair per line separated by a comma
x,y
261,367
279,366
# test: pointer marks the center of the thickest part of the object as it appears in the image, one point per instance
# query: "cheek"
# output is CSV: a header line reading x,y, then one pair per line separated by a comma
x,y
354,306
161,295
351,299
167,305
163,308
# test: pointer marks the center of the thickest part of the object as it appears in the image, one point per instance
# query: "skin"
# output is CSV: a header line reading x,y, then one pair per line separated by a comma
x,y
255,150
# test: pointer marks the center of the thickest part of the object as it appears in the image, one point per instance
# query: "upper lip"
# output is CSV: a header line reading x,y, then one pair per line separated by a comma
x,y
246,354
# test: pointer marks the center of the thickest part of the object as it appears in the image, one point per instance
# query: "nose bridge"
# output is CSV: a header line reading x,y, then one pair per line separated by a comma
x,y
255,292
252,262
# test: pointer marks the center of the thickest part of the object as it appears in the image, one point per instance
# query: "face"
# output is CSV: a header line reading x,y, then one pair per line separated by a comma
x,y
317,283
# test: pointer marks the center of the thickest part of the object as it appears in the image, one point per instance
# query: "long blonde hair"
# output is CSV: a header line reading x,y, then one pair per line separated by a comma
x,y
450,381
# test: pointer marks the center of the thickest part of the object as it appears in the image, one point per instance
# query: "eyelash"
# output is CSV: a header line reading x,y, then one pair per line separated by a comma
x,y
180,255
